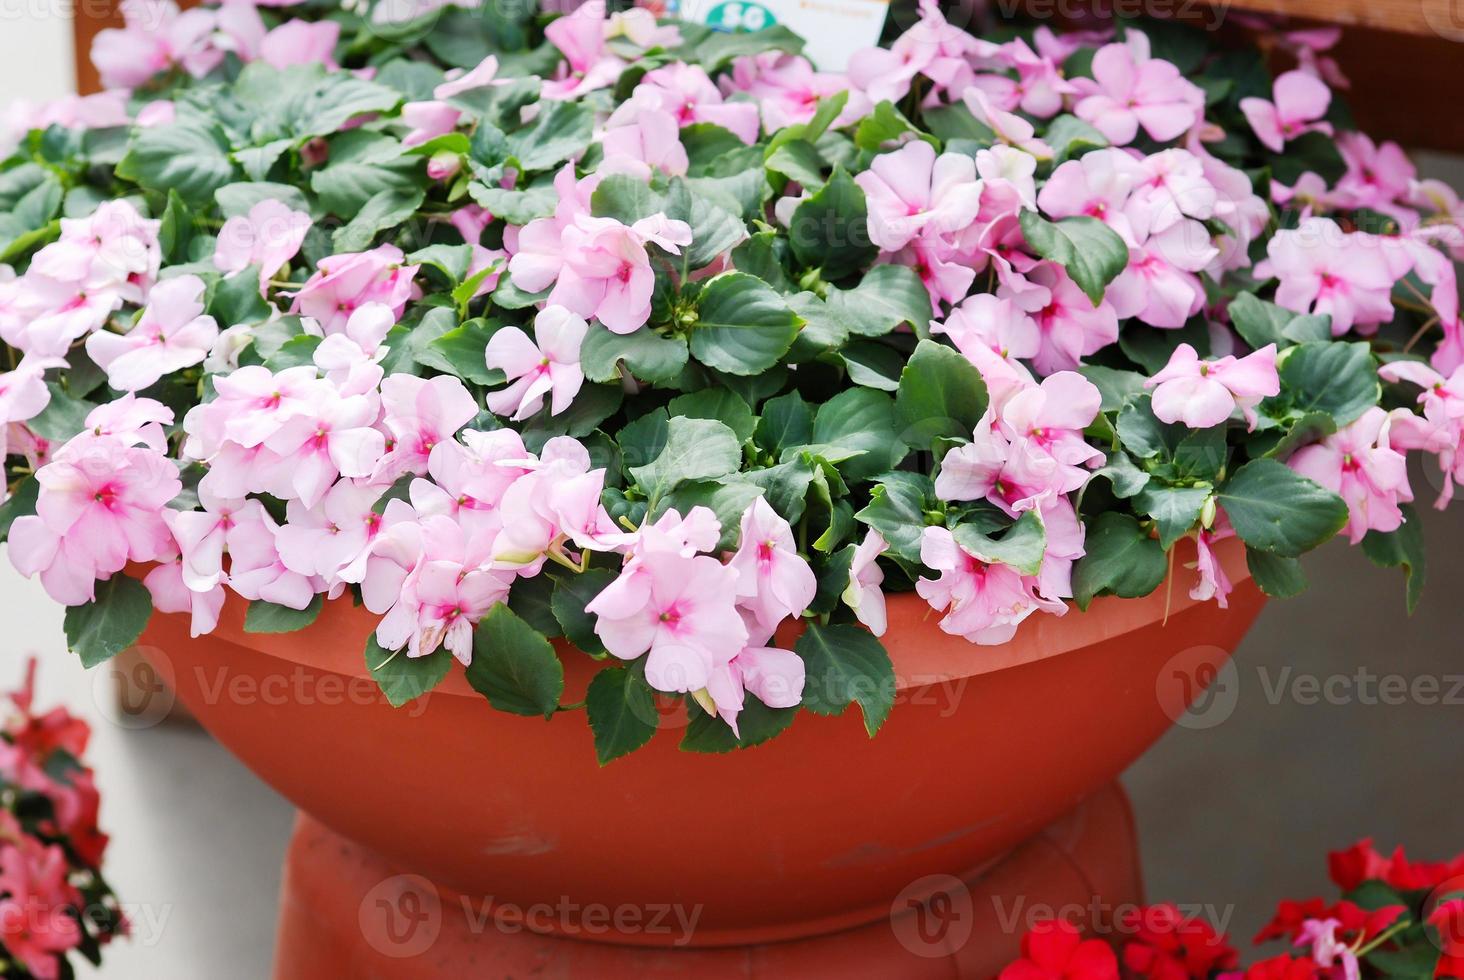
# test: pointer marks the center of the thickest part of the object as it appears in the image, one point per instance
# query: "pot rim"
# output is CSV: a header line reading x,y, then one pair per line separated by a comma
x,y
922,654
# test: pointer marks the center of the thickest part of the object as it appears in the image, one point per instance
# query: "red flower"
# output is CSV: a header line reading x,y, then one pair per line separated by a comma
x,y
1356,922
1168,946
1283,967
1448,921
1054,950
1357,864
40,735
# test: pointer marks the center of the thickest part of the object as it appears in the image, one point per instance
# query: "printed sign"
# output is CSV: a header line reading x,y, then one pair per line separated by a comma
x,y
833,29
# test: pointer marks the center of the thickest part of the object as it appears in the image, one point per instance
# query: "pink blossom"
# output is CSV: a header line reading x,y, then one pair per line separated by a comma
x,y
459,82
678,608
1039,87
97,509
1440,430
269,237
171,595
788,89
301,42
334,438
351,359
1327,949
428,120
470,478
993,333
940,51
1071,326
1201,394
1012,472
156,37
113,253
1159,284
985,603
1009,127
590,65
776,677
689,96
1377,175
419,414
172,334
642,142
333,537
1097,184
940,265
1130,89
1324,270
256,572
346,282
1213,582
546,365
558,502
252,404
912,189
23,392
1359,464
774,580
1301,100
605,271
864,594
1051,417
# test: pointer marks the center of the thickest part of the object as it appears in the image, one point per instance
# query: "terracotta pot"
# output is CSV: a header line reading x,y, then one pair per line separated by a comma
x,y
813,832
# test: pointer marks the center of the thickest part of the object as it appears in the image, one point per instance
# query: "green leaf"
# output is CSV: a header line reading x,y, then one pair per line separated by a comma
x,y
896,509
625,198
1121,559
862,420
1175,509
269,617
402,678
1123,474
721,404
696,449
452,261
1336,379
1113,385
518,206
237,200
720,48
714,229
531,599
645,354
873,364
514,666
190,158
176,229
385,209
743,325
756,724
1152,347
1260,323
461,352
887,297
562,129
236,300
112,622
830,230
886,125
622,710
20,503
786,421
1277,510
572,593
1277,576
846,664
1092,252
1070,138
1403,549
798,160
728,499
941,396
1021,546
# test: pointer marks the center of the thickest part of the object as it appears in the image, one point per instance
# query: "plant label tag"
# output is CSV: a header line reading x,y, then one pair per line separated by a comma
x,y
833,29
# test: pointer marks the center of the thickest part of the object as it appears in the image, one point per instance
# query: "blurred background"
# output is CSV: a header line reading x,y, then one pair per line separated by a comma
x,y
1303,749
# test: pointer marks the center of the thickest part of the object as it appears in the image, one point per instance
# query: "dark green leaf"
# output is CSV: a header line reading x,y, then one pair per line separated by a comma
x,y
695,449
941,396
1403,549
743,325
1277,576
514,666
1121,559
1276,509
403,678
830,230
572,593
648,356
622,711
1092,252
112,622
269,617
847,665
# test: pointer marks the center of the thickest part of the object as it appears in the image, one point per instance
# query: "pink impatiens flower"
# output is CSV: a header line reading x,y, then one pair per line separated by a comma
x,y
589,64
1070,326
1359,464
774,580
985,603
912,189
344,283
1301,100
678,607
546,365
269,236
1323,269
419,414
156,37
98,508
1202,394
1130,89
864,594
173,333
690,96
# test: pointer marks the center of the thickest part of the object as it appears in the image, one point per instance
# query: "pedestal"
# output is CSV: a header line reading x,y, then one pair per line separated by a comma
x,y
345,912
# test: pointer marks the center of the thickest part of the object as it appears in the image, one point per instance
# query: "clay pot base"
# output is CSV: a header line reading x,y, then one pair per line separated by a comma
x,y
346,912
